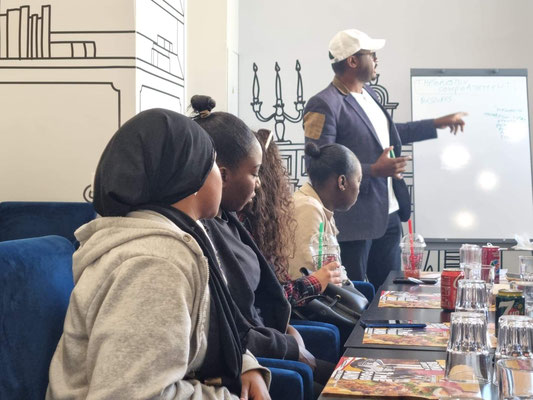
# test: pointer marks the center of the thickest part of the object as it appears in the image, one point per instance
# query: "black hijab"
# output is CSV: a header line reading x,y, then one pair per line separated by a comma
x,y
157,157
154,160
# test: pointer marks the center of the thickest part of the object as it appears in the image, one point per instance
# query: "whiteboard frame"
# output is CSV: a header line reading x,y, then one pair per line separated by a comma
x,y
440,72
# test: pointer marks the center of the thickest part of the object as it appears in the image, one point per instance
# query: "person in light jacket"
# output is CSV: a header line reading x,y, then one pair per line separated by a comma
x,y
150,316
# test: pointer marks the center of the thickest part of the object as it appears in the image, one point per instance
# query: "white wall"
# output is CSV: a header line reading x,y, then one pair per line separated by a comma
x,y
212,51
419,33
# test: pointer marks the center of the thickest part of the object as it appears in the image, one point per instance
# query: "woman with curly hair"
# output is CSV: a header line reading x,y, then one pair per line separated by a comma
x,y
270,220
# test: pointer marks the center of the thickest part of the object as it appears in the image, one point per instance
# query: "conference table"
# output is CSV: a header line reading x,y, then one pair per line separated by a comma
x,y
354,346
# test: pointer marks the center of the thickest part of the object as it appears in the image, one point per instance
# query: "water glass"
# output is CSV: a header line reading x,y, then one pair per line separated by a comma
x,y
515,337
485,273
468,355
480,272
526,268
527,288
515,379
469,254
472,296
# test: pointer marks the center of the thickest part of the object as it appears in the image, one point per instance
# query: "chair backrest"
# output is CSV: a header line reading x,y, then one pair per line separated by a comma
x,y
35,286
21,220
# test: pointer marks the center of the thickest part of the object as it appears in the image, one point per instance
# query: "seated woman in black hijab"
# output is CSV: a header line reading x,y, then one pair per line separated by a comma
x,y
150,316
251,279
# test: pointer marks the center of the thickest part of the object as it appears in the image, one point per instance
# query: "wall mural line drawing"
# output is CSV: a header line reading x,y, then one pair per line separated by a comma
x,y
279,115
67,90
292,153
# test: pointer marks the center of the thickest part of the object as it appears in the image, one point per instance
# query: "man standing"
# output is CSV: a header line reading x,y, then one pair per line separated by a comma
x,y
348,112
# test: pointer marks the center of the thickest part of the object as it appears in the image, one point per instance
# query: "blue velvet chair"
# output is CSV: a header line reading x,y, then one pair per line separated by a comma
x,y
320,338
366,288
35,286
25,219
296,378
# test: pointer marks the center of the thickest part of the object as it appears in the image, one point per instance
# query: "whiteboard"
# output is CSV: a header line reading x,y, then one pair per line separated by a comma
x,y
477,184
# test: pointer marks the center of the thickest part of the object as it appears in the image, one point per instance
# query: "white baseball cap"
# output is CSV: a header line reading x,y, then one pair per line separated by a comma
x,y
350,41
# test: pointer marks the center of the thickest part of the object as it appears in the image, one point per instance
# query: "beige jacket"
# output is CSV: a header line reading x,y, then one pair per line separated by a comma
x,y
309,213
137,322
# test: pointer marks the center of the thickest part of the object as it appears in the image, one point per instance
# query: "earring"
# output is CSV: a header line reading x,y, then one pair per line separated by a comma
x,y
343,189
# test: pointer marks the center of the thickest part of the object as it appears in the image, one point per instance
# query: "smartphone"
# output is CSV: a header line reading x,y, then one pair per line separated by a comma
x,y
392,323
425,281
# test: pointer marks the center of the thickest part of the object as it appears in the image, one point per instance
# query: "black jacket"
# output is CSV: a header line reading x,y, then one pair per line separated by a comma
x,y
266,310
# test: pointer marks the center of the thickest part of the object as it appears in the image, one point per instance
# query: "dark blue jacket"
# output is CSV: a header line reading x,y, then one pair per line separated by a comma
x,y
334,116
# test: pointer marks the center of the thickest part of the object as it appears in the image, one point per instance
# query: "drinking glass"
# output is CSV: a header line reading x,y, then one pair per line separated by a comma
x,y
527,288
469,254
515,379
515,337
468,355
472,296
526,268
485,273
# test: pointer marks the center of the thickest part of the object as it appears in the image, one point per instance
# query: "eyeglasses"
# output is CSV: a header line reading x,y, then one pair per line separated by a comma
x,y
372,54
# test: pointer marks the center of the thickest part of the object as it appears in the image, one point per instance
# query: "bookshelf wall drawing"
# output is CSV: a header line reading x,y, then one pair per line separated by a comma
x,y
71,73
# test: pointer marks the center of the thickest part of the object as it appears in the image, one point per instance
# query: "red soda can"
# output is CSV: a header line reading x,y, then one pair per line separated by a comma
x,y
490,256
448,287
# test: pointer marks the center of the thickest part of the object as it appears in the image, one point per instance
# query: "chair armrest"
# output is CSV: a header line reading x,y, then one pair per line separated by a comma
x,y
321,341
365,288
296,366
286,384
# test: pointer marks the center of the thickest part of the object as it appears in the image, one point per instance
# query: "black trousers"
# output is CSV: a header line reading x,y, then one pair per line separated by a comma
x,y
373,259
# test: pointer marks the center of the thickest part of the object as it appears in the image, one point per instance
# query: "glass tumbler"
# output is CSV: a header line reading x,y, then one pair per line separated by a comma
x,y
515,337
472,296
527,288
468,355
526,268
515,379
469,254
486,273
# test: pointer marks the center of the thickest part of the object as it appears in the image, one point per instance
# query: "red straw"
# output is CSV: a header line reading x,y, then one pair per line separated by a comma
x,y
410,223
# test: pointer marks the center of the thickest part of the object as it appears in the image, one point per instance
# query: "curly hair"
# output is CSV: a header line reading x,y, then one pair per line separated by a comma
x,y
269,217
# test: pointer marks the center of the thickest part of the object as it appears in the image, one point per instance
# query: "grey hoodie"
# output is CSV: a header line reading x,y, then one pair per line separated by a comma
x,y
136,326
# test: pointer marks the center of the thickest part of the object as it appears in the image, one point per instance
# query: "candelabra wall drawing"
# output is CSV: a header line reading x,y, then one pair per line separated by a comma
x,y
292,153
279,115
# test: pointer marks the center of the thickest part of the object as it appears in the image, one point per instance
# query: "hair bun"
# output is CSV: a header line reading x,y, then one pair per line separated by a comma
x,y
202,104
312,150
